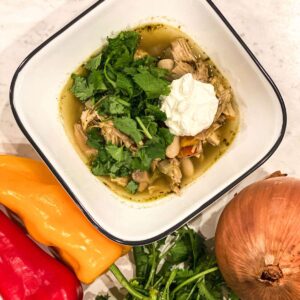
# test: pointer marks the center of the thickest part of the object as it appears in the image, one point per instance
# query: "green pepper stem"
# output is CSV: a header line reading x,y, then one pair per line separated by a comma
x,y
192,279
145,130
124,282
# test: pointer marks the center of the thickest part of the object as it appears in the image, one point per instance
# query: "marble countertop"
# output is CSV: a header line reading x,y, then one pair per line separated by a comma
x,y
270,28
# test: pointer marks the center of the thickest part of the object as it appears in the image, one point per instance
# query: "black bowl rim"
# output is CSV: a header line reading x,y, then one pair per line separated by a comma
x,y
199,209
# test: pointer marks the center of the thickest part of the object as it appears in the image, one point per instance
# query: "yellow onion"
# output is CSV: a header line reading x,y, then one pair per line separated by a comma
x,y
258,241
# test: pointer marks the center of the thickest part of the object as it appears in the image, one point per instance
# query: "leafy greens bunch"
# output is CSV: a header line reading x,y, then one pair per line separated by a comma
x,y
180,267
125,90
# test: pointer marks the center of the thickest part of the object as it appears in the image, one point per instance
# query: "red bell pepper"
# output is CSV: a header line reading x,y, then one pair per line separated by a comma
x,y
29,273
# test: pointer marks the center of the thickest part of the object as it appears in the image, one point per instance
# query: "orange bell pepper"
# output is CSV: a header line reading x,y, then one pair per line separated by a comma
x,y
186,141
29,189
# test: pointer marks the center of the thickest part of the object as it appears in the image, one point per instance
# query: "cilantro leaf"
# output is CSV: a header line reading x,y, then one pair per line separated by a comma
x,y
143,160
129,127
159,72
95,139
155,149
146,61
152,149
120,169
112,105
95,80
115,152
141,262
120,49
165,135
132,187
180,252
130,70
129,39
123,58
100,168
156,112
124,84
106,165
81,89
94,62
150,124
151,85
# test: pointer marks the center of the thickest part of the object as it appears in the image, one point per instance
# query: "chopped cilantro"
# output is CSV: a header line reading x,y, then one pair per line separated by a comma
x,y
132,187
81,89
129,127
94,62
115,152
95,139
151,85
127,91
113,105
95,80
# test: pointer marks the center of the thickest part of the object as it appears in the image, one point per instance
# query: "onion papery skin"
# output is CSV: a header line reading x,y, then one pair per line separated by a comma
x,y
258,241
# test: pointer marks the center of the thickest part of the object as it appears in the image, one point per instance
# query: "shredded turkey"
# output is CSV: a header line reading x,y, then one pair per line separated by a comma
x,y
181,68
171,168
201,72
225,97
202,136
193,146
154,164
116,137
87,116
81,140
214,139
181,51
121,181
142,178
229,112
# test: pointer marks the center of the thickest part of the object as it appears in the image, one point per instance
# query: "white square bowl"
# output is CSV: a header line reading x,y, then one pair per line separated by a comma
x,y
37,83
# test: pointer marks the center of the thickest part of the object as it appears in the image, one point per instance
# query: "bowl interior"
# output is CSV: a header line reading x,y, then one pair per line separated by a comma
x,y
40,80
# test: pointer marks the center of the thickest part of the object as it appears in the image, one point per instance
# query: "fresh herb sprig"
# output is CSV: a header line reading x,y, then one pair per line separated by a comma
x,y
180,267
118,161
127,91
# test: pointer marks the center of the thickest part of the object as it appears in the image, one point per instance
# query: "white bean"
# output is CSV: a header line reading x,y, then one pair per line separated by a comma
x,y
166,63
174,148
187,167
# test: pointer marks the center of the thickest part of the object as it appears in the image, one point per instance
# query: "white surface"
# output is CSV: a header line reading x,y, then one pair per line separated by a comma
x,y
35,101
190,107
270,28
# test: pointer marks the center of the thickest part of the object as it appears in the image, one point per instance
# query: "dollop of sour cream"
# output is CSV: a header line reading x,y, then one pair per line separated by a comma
x,y
190,107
